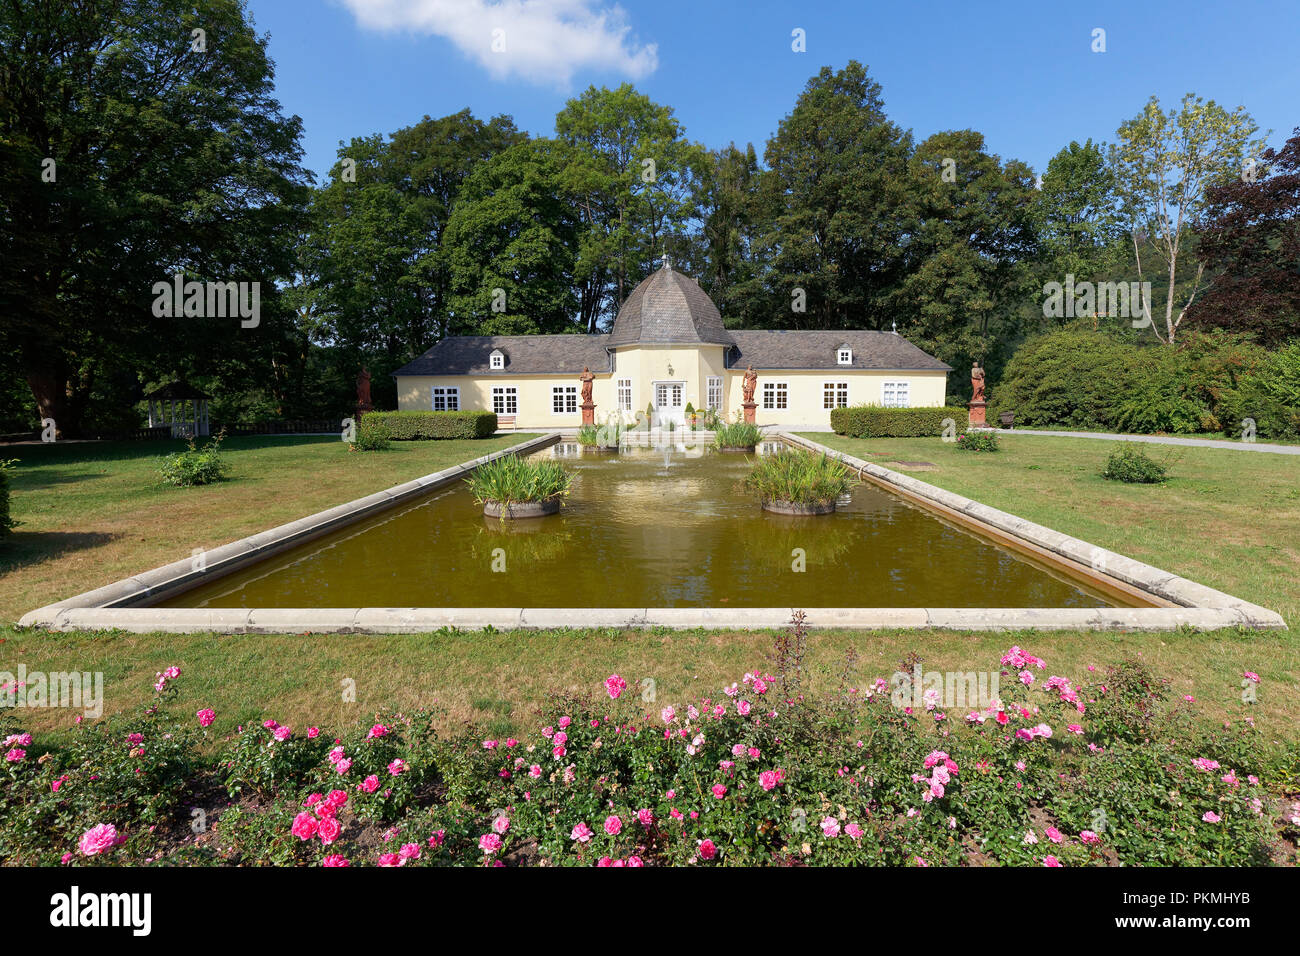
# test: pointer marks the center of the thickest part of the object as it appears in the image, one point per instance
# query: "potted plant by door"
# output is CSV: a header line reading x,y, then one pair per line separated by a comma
x,y
691,415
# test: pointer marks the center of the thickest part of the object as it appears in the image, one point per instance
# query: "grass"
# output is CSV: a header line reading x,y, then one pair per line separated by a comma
x,y
736,435
1226,519
802,477
502,679
514,480
95,512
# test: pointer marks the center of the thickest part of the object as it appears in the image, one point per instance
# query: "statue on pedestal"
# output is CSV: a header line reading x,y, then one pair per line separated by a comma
x,y
977,383
748,384
586,378
363,392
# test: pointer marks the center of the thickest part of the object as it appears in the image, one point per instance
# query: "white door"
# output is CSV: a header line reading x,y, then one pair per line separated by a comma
x,y
670,402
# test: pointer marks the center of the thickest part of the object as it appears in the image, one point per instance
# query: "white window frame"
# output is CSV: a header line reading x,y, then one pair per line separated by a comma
x,y
714,393
450,398
776,396
625,394
844,356
505,400
837,393
496,360
566,396
896,393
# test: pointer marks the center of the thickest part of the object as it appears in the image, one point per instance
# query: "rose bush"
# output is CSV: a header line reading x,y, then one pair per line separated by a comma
x,y
1054,771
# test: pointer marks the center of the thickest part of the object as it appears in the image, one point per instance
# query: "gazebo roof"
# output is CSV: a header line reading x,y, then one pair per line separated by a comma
x,y
177,390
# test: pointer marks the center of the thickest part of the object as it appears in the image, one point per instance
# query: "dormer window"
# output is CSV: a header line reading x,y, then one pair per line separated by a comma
x,y
844,355
497,360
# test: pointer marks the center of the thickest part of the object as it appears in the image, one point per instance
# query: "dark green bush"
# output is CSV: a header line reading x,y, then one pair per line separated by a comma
x,y
875,421
423,426
6,522
372,435
195,466
1269,395
1131,464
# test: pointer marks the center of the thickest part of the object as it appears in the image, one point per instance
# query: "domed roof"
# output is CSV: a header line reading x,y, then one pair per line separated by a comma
x,y
668,308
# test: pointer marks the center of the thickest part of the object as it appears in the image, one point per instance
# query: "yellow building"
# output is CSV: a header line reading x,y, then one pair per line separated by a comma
x,y
668,349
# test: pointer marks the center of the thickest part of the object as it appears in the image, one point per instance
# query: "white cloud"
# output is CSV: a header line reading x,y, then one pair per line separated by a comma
x,y
543,41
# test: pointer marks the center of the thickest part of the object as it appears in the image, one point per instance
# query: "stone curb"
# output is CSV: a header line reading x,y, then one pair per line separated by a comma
x,y
1163,584
385,620
170,578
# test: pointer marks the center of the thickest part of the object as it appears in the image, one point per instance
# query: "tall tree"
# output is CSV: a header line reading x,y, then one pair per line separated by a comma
x,y
131,148
1076,215
1251,245
511,245
634,181
730,210
1164,163
837,168
969,248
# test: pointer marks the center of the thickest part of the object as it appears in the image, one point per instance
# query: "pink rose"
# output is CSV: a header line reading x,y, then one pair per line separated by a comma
x,y
328,830
206,717
707,850
304,826
613,825
614,685
97,839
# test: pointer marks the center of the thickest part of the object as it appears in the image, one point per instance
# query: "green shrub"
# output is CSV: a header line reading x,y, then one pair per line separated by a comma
x,y
875,421
737,435
798,476
513,480
1269,395
977,441
425,426
194,466
372,435
6,522
1131,464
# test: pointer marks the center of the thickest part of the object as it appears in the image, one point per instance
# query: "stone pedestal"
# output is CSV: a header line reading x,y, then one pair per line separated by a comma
x,y
976,414
588,413
749,411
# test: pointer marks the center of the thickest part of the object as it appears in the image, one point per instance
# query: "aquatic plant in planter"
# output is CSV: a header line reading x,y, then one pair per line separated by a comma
x,y
514,487
739,436
798,482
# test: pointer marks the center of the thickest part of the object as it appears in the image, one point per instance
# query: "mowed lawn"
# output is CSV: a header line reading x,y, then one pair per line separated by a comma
x,y
1227,519
92,513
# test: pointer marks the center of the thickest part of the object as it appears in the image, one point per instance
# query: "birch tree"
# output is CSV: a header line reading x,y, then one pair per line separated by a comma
x,y
1164,161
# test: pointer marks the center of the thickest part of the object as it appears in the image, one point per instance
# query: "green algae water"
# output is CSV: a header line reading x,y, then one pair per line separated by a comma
x,y
650,526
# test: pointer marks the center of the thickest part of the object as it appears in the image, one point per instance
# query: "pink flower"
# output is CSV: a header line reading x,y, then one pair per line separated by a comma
x,y
15,755
281,733
206,717
564,721
1055,835
1087,836
767,780
343,766
489,745
390,859
378,730
1251,676
1050,860
328,830
313,733
370,784
719,791
707,850
613,825
1211,817
646,816
335,859
830,827
409,851
489,843
101,837
614,685
582,833
854,831
397,766
304,826
436,839
667,715
336,798
502,823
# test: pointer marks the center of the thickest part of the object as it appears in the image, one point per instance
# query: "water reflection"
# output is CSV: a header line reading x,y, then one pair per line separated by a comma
x,y
650,526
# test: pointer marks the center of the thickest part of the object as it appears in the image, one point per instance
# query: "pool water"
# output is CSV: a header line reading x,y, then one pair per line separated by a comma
x,y
664,526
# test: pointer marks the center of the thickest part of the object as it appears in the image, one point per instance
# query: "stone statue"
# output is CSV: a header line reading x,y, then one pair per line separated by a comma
x,y
748,384
363,391
586,378
977,382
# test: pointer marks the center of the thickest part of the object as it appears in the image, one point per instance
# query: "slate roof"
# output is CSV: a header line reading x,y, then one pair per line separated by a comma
x,y
668,307
525,355
793,350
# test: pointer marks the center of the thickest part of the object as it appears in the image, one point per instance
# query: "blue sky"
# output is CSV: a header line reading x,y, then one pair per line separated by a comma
x,y
1022,73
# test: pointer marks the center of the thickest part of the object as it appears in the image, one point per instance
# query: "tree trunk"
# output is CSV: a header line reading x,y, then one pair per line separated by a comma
x,y
50,389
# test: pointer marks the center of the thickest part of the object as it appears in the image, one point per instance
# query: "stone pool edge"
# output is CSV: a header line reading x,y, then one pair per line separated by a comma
x,y
111,599
108,608
1187,595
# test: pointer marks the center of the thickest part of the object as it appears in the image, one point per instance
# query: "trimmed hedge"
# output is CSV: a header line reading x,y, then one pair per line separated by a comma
x,y
423,426
875,421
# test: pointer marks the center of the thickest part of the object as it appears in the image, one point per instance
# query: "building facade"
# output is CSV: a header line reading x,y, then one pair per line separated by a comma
x,y
668,349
